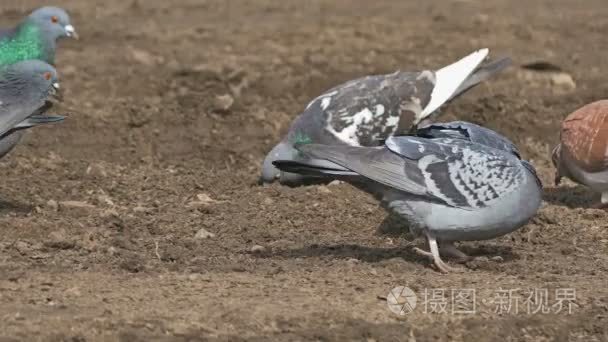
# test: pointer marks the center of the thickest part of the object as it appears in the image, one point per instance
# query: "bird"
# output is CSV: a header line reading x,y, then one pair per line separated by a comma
x,y
582,153
454,181
365,111
25,91
35,37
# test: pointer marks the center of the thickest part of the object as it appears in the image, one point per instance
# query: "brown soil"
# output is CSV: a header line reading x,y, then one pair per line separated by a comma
x,y
98,215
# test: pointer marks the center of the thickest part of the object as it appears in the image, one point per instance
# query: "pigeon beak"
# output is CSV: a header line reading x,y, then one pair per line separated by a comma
x,y
70,31
56,93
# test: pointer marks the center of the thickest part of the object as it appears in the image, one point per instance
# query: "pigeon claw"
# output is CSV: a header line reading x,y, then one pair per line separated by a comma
x,y
558,179
434,255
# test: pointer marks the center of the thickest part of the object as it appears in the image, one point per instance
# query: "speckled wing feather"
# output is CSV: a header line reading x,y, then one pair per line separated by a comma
x,y
469,132
584,136
460,173
367,110
454,172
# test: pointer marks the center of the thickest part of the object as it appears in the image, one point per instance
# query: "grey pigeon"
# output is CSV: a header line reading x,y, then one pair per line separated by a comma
x,y
455,182
365,111
24,90
36,36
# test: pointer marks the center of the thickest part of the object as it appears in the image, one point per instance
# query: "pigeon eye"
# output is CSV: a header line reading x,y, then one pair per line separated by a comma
x,y
54,19
47,76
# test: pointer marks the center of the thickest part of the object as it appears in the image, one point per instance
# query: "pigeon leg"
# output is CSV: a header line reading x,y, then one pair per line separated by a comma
x,y
423,252
603,202
442,266
434,254
448,249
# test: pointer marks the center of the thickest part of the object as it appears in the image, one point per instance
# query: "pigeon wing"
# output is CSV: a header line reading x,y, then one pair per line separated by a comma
x,y
13,111
365,111
460,173
469,132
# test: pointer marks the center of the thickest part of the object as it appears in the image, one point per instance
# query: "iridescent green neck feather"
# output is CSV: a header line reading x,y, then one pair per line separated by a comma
x,y
301,139
24,44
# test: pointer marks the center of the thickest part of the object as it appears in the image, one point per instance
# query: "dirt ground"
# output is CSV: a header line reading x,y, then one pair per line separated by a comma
x,y
99,215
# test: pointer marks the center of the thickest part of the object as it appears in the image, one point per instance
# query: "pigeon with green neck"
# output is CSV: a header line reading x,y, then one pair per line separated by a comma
x,y
25,88
366,111
36,36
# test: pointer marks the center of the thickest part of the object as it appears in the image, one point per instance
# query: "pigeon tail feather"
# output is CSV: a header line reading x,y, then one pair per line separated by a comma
x,y
449,79
314,167
483,73
36,120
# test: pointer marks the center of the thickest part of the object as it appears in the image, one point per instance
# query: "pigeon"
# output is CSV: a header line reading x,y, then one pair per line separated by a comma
x,y
36,36
450,181
365,111
581,154
25,88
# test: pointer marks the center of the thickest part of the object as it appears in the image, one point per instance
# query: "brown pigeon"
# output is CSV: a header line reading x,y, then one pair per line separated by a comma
x,y
582,154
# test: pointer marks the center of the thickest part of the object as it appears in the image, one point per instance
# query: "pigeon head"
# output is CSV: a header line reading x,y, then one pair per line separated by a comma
x,y
54,22
31,80
282,151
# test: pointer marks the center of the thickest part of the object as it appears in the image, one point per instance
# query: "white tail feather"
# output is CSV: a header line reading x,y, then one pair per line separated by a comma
x,y
448,79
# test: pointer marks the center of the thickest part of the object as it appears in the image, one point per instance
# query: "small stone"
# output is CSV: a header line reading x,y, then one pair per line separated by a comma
x,y
140,209
96,170
52,205
223,103
563,80
59,240
145,57
323,189
353,260
335,182
268,201
203,234
258,249
202,201
497,258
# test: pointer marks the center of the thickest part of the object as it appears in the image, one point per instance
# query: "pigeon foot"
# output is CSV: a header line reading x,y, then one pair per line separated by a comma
x,y
447,250
450,250
434,255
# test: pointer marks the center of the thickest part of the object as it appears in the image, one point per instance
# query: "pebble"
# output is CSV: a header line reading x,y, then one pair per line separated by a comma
x,y
223,103
52,204
564,80
335,182
258,249
203,234
323,189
